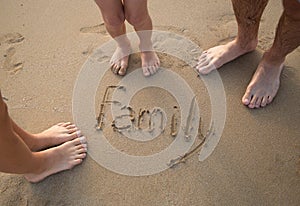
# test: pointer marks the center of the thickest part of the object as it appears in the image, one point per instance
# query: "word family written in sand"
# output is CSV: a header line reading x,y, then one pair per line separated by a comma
x,y
151,122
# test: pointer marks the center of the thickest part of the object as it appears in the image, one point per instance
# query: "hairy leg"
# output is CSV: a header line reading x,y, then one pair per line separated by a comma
x,y
265,82
248,14
136,13
113,15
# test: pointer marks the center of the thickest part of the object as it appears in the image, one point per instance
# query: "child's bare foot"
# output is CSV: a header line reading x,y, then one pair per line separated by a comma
x,y
60,158
216,57
55,135
264,84
119,60
150,62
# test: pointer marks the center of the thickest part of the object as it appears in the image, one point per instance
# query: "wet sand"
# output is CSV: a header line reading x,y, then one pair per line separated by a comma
x,y
43,46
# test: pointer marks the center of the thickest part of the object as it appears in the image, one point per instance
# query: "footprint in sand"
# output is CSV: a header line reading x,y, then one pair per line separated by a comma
x,y
181,31
89,50
98,29
225,29
10,65
11,38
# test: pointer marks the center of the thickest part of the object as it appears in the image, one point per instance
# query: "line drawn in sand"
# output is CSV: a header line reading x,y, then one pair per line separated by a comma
x,y
100,117
202,137
174,122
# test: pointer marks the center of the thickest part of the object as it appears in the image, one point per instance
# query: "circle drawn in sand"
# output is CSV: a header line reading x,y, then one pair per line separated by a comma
x,y
84,105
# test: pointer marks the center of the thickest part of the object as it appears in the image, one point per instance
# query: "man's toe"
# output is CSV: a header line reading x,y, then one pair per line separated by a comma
x,y
258,102
252,102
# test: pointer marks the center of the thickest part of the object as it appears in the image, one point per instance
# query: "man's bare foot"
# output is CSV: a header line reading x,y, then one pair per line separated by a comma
x,y
60,158
150,62
119,60
216,57
55,135
264,85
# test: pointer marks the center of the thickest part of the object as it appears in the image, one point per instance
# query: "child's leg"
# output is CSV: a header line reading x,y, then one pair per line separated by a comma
x,y
16,157
55,135
114,17
136,13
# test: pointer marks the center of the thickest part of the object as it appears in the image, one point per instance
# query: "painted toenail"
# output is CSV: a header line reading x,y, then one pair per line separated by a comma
x,y
82,139
78,132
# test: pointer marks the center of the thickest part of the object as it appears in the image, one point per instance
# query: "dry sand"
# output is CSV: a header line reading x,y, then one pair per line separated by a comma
x,y
43,47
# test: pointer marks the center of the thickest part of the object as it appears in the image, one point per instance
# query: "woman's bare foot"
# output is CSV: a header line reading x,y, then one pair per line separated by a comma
x,y
216,57
264,84
119,60
55,135
60,158
150,62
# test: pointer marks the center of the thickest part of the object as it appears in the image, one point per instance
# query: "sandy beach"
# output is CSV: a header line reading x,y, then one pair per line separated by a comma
x,y
43,47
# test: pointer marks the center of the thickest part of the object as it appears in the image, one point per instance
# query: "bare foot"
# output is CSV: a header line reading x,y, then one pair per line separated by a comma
x,y
216,57
150,62
55,135
60,158
119,60
263,86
